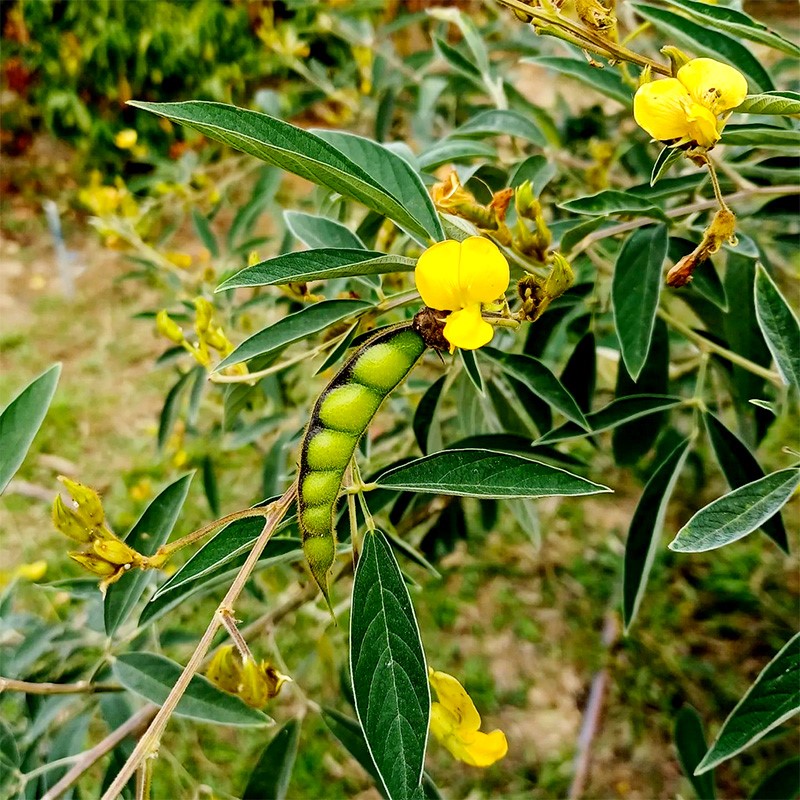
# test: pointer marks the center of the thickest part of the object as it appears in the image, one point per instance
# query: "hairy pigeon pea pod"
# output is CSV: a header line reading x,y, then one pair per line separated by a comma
x,y
342,413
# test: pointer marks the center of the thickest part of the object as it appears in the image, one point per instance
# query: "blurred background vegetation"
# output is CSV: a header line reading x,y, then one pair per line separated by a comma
x,y
525,625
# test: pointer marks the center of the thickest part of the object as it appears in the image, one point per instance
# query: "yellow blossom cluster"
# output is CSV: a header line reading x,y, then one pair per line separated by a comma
x,y
255,683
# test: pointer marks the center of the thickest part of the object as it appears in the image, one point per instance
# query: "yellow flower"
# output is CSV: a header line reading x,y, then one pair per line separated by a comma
x,y
455,722
460,277
254,683
126,139
687,108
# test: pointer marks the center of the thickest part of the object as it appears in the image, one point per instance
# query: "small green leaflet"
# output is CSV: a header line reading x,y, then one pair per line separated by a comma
x,y
172,406
21,420
315,265
734,515
612,201
666,158
150,532
272,773
606,80
297,327
483,473
152,676
390,676
502,122
317,232
635,290
645,531
454,150
771,700
690,742
779,325
784,103
291,148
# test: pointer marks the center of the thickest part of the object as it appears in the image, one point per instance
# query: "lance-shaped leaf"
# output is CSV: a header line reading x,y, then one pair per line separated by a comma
x,y
315,265
425,414
645,531
502,122
766,136
392,172
451,151
782,782
612,201
771,700
703,40
617,412
690,742
779,325
634,293
540,380
147,535
314,231
739,466
666,158
483,473
272,773
606,81
297,327
770,103
152,676
291,148
172,405
734,515
21,420
390,676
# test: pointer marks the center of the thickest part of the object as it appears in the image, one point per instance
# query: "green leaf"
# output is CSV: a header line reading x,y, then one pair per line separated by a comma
x,y
739,467
634,293
291,148
210,486
540,380
645,530
607,80
783,783
755,135
617,412
21,420
771,700
425,414
387,663
150,532
483,473
705,41
270,778
152,676
537,169
690,742
348,732
497,122
172,407
734,515
205,233
612,201
450,151
458,61
320,232
394,174
784,103
471,368
666,158
741,25
314,265
9,754
297,327
779,325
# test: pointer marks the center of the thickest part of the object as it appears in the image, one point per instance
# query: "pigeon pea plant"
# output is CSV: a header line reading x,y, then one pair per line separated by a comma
x,y
411,273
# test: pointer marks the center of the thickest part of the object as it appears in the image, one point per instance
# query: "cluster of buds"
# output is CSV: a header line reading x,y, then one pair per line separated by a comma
x,y
83,521
255,683
533,241
537,293
210,336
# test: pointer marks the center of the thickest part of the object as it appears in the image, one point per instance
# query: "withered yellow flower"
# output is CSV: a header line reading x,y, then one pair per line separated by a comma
x,y
691,107
456,723
255,683
461,277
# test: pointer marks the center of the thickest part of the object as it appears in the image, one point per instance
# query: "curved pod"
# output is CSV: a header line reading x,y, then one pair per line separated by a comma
x,y
341,415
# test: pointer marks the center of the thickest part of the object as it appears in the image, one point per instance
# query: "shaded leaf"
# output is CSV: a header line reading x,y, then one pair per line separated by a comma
x,y
172,407
607,80
690,741
502,122
471,368
779,325
612,201
425,413
451,151
755,135
21,420
390,676
270,778
771,700
666,158
734,515
783,783
320,232
482,473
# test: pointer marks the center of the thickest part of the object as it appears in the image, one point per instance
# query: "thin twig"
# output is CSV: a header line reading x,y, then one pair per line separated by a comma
x,y
81,687
149,741
140,720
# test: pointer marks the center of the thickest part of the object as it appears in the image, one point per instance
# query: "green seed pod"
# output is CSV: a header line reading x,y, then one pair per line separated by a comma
x,y
340,416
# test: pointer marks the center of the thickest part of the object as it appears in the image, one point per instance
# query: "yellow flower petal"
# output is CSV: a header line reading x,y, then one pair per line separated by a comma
x,y
467,329
712,84
454,698
660,108
702,125
436,276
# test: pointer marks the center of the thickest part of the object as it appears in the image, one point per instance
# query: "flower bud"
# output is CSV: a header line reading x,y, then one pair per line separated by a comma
x,y
204,314
561,277
225,669
96,565
90,507
167,327
67,521
677,58
115,551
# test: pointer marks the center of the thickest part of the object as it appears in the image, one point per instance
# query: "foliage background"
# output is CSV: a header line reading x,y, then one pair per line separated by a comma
x,y
709,622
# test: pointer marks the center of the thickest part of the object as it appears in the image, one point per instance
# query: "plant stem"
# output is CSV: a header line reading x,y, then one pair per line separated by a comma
x,y
712,347
229,623
149,741
81,687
